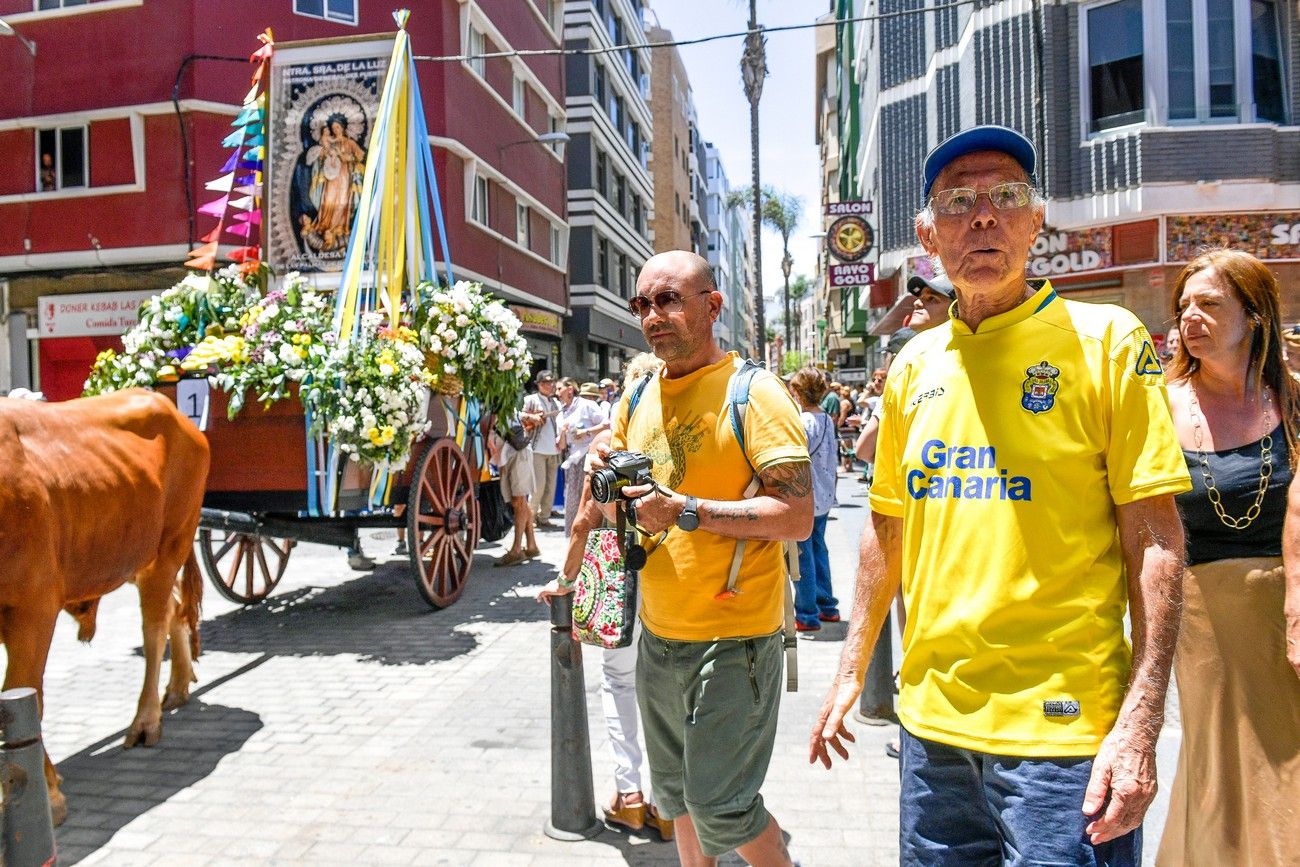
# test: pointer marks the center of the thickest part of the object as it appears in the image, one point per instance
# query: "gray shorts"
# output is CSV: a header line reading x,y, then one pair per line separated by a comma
x,y
517,475
709,710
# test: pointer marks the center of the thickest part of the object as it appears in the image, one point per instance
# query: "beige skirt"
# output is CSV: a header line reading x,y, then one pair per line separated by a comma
x,y
1236,797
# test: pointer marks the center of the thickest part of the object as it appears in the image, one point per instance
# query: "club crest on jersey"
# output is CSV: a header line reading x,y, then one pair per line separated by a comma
x,y
1038,391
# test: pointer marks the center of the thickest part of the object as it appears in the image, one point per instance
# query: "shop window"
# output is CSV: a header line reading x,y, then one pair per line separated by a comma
x,y
1115,57
344,11
480,211
62,158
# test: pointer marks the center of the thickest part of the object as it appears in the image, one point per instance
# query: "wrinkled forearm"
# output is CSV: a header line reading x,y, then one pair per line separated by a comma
x,y
1152,537
878,577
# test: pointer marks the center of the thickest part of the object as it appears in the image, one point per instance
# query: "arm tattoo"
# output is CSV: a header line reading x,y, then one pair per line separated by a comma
x,y
790,479
732,511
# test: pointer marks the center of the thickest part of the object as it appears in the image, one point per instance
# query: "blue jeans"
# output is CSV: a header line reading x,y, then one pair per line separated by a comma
x,y
812,594
961,807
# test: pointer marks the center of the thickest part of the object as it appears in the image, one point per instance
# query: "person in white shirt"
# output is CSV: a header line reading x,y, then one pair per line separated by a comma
x,y
580,421
546,448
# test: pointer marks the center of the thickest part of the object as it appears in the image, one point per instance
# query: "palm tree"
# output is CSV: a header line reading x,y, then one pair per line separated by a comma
x,y
798,289
753,69
781,212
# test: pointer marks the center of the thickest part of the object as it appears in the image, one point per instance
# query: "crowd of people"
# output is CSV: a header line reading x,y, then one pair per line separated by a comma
x,y
1065,512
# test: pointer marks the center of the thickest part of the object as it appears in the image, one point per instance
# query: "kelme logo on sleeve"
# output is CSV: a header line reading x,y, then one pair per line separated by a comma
x,y
1148,362
1061,707
1040,387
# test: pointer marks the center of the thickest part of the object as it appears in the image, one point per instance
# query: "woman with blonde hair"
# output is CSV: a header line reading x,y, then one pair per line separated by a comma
x,y
1236,796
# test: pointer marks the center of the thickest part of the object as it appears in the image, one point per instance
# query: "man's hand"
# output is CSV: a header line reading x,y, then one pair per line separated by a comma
x,y
657,507
829,727
1123,782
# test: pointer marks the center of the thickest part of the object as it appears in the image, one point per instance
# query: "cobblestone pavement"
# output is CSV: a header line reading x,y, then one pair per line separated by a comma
x,y
346,722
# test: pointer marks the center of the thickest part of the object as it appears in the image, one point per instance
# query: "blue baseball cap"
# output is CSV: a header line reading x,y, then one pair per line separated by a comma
x,y
974,140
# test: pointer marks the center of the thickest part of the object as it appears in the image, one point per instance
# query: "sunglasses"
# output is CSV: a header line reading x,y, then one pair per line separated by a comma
x,y
960,200
667,301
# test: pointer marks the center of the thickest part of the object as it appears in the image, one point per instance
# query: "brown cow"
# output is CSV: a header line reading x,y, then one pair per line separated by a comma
x,y
98,492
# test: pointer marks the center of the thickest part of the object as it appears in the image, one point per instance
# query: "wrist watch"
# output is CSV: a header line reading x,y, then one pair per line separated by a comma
x,y
689,519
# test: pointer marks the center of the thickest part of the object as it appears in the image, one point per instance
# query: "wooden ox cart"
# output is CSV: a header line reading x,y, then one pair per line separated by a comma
x,y
256,507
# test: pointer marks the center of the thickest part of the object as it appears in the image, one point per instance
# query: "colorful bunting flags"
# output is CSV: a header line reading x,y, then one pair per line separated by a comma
x,y
240,181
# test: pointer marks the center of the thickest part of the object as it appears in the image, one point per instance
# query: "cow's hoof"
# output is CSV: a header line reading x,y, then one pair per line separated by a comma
x,y
175,698
58,807
142,735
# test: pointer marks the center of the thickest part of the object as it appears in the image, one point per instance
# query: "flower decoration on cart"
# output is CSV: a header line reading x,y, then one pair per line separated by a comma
x,y
472,343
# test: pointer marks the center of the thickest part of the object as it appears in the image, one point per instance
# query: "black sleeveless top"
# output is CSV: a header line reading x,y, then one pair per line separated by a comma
x,y
1236,475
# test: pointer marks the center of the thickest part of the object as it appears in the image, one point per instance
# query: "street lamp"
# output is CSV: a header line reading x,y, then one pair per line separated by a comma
x,y
7,29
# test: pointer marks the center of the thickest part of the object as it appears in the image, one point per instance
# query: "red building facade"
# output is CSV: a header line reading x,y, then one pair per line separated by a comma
x,y
111,127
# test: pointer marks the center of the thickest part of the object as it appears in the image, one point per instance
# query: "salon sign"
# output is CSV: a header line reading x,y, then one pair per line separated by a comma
x,y
1056,253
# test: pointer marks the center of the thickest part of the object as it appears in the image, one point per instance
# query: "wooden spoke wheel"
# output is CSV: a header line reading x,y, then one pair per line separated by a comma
x,y
442,522
243,567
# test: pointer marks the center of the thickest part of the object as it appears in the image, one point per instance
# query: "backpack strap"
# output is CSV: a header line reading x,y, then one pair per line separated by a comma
x,y
738,388
639,390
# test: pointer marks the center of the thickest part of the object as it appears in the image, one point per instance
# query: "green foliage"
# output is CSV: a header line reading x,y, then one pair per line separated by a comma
x,y
792,361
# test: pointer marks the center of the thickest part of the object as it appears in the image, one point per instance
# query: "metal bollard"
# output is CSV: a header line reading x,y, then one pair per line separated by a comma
x,y
876,704
573,799
28,830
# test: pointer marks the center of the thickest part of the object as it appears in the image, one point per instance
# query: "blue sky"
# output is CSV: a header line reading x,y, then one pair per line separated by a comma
x,y
787,151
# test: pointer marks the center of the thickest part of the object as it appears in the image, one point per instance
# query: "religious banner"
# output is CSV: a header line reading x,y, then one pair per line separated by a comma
x,y
324,99
1273,235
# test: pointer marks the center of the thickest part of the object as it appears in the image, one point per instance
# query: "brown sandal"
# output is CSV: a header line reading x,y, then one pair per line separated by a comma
x,y
629,815
659,823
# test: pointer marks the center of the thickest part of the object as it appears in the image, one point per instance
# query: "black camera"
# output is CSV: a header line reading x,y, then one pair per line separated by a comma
x,y
621,469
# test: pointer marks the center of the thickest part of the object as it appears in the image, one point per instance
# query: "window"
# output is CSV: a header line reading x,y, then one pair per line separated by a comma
x,y
1115,86
1266,61
622,275
600,84
620,194
61,158
616,111
1207,46
602,186
344,11
637,214
479,210
557,249
518,96
523,226
553,126
602,262
476,49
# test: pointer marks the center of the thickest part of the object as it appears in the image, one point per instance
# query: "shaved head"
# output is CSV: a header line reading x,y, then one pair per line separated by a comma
x,y
690,269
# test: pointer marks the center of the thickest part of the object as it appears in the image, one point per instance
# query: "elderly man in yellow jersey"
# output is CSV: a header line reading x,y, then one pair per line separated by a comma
x,y
709,659
1024,497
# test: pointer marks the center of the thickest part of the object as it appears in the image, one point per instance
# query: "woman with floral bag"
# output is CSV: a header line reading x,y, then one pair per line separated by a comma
x,y
631,806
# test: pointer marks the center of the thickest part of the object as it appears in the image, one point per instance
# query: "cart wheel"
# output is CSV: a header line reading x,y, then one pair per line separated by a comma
x,y
244,568
442,523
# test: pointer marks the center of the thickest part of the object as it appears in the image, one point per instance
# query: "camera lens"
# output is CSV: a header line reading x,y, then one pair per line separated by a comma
x,y
601,481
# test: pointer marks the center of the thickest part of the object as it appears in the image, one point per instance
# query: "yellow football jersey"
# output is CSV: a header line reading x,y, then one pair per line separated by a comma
x,y
1004,451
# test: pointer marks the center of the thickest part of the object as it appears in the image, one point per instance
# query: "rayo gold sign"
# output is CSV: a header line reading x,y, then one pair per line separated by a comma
x,y
850,238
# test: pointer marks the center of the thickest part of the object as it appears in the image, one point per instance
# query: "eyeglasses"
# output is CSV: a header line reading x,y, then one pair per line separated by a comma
x,y
667,301
960,200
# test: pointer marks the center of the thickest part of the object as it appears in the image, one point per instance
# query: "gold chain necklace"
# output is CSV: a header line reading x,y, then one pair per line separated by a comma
x,y
1265,467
